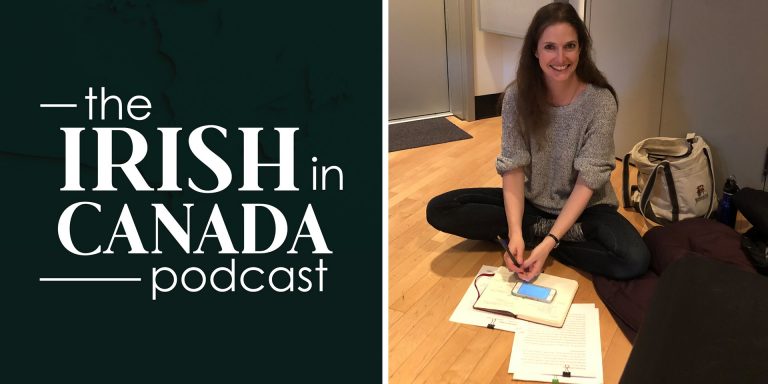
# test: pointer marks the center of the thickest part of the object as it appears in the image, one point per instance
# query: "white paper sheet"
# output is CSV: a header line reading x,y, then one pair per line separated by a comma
x,y
465,314
540,353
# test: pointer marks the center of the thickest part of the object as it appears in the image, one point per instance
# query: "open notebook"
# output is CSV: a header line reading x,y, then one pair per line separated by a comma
x,y
497,298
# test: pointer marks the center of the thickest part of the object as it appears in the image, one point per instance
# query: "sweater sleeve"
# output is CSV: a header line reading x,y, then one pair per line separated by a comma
x,y
596,157
514,150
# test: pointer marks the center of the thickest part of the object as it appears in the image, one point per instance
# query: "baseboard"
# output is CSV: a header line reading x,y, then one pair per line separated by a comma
x,y
488,106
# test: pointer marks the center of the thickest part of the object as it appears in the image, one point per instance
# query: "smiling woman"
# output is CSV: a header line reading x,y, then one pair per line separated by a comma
x,y
557,154
558,50
558,54
557,37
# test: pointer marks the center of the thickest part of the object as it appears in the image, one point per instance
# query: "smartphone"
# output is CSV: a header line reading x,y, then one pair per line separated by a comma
x,y
533,291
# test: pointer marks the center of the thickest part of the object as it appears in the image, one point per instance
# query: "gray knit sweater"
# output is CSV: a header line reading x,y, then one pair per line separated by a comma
x,y
579,141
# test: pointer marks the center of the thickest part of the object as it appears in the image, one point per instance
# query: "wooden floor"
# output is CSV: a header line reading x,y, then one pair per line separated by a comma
x,y
429,271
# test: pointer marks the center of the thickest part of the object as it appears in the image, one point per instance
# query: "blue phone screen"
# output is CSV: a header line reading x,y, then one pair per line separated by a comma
x,y
534,291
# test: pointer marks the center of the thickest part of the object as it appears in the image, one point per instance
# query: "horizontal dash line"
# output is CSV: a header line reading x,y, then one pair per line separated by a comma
x,y
58,105
90,279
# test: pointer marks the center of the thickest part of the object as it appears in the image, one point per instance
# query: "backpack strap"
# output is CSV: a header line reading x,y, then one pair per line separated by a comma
x,y
625,182
646,209
672,192
712,179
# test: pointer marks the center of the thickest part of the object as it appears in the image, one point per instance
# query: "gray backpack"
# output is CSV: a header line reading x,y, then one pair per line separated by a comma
x,y
675,179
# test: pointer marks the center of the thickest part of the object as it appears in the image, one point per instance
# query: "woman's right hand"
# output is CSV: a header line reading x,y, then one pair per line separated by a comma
x,y
517,247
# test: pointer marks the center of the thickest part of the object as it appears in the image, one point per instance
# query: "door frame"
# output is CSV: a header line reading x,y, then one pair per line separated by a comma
x,y
459,47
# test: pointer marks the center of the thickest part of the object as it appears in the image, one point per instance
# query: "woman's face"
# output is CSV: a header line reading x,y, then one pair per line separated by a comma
x,y
558,52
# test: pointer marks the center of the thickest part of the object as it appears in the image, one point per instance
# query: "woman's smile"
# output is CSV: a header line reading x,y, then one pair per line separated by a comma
x,y
558,52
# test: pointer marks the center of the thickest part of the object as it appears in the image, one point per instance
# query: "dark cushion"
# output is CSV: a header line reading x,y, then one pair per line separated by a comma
x,y
706,324
629,300
753,204
708,238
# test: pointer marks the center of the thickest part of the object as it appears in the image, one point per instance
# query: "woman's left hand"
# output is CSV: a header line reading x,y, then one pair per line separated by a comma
x,y
533,266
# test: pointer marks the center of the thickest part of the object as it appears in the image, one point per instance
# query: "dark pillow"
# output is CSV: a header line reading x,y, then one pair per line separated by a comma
x,y
708,238
629,300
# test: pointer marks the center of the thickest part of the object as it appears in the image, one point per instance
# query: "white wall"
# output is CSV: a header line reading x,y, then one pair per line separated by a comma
x,y
630,47
716,83
496,58
630,43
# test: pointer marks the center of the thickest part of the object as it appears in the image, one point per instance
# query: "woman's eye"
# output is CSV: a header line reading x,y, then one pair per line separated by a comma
x,y
549,46
570,46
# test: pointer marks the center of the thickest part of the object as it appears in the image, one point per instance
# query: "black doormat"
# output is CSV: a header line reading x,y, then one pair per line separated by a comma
x,y
421,133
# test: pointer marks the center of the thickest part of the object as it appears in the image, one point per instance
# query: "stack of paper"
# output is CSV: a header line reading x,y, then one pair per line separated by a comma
x,y
541,353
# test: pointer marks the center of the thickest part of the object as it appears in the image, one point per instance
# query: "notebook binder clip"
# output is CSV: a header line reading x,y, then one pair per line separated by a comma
x,y
566,372
492,324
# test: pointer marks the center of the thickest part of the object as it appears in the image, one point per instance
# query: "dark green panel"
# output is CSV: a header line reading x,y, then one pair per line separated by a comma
x,y
311,65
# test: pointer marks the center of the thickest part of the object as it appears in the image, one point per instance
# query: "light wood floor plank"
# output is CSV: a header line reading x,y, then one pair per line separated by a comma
x,y
405,370
494,359
394,316
447,355
616,358
429,271
431,310
426,338
412,287
468,357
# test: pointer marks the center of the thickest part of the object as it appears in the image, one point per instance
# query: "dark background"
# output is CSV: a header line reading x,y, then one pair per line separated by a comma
x,y
312,65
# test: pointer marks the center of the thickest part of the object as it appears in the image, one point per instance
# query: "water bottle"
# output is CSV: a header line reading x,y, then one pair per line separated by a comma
x,y
726,210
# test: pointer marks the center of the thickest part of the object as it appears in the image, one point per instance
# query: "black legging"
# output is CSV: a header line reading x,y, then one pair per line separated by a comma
x,y
613,247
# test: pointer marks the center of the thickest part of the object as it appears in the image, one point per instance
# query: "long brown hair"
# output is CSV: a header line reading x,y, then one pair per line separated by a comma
x,y
532,103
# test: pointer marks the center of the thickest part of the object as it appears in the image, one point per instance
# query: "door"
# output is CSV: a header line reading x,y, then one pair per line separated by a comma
x,y
418,64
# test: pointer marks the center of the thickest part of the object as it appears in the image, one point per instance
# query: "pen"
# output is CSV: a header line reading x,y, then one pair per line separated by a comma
x,y
506,249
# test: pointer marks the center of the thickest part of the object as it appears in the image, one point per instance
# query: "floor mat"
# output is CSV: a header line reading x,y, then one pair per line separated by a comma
x,y
421,133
